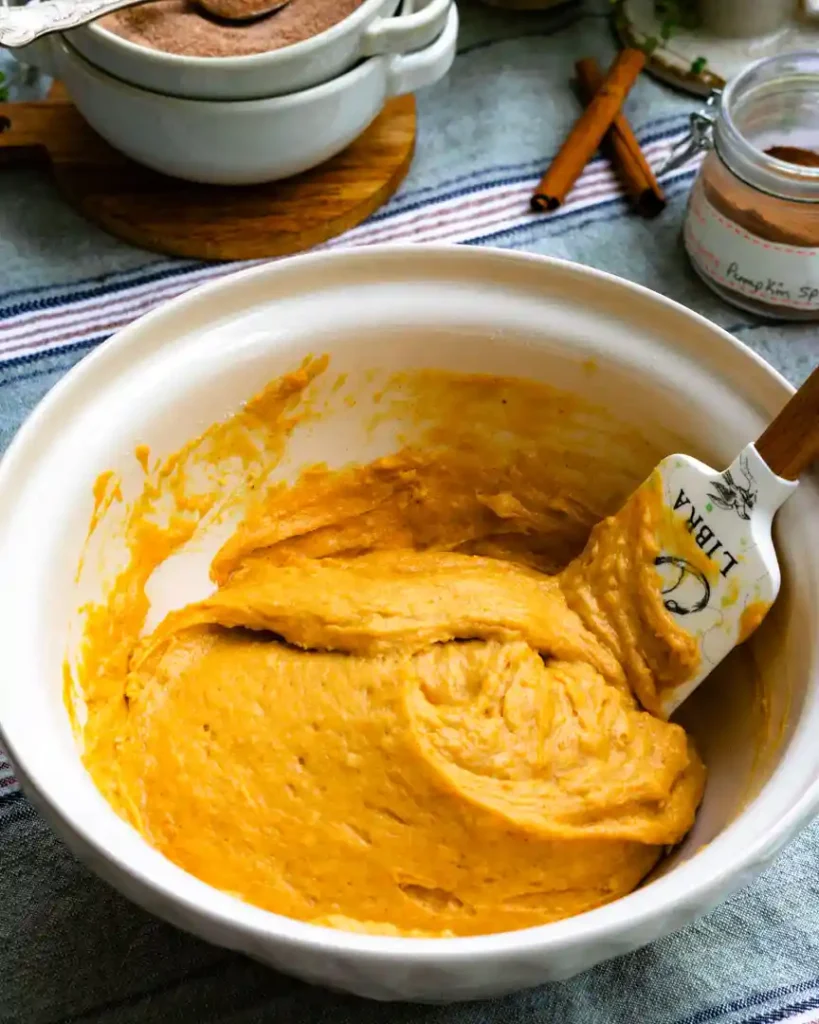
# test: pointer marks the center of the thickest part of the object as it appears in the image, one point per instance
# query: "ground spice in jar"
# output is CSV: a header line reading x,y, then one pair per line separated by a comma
x,y
752,225
771,218
794,155
181,27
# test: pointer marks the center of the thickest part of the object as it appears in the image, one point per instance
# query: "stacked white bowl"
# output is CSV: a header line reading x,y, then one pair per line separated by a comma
x,y
249,119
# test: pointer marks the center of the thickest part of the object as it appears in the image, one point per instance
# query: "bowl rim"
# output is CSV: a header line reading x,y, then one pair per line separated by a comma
x,y
244,62
342,81
708,876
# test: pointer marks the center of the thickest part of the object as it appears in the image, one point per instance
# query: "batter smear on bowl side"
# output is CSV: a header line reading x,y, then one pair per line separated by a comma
x,y
410,704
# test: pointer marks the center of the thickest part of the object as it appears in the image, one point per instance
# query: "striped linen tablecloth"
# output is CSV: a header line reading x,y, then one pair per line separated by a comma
x,y
71,949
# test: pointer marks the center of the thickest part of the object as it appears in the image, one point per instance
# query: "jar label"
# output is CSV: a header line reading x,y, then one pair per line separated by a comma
x,y
771,273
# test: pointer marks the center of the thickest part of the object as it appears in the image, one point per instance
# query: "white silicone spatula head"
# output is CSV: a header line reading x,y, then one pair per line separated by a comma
x,y
720,587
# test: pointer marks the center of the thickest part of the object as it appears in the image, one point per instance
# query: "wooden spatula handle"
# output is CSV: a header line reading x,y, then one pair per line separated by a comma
x,y
791,442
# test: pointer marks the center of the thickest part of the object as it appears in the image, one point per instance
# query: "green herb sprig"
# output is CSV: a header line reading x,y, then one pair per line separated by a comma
x,y
673,15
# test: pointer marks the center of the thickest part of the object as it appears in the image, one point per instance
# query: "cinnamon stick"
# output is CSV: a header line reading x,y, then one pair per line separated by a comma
x,y
622,148
588,131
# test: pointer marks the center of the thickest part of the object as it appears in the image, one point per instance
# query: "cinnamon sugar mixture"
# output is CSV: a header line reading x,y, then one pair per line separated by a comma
x,y
180,26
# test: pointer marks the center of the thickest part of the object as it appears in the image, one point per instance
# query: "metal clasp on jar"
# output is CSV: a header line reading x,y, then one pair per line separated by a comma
x,y
699,139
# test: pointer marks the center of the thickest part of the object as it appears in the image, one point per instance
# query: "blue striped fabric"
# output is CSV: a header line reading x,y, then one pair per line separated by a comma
x,y
71,949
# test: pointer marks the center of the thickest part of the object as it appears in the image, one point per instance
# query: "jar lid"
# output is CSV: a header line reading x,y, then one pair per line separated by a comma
x,y
772,103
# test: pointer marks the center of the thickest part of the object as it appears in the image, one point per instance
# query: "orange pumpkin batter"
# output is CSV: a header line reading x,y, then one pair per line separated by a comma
x,y
388,718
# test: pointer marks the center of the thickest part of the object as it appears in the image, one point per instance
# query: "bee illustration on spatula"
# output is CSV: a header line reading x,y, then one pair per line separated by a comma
x,y
732,496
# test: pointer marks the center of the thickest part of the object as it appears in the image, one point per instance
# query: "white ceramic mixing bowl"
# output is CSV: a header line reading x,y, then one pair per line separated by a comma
x,y
165,378
245,142
369,31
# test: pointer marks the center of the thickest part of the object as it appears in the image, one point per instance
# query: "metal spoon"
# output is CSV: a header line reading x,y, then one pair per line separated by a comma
x,y
241,10
20,26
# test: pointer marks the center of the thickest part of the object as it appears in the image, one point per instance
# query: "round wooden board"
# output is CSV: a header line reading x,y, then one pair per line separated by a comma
x,y
211,221
673,61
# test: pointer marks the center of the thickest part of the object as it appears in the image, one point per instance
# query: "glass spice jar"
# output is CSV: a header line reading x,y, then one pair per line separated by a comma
x,y
752,223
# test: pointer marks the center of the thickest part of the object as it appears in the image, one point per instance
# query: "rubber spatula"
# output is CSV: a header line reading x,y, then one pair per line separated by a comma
x,y
719,588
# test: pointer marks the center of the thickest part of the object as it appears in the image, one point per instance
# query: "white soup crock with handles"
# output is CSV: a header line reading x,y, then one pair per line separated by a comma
x,y
245,142
161,381
373,29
